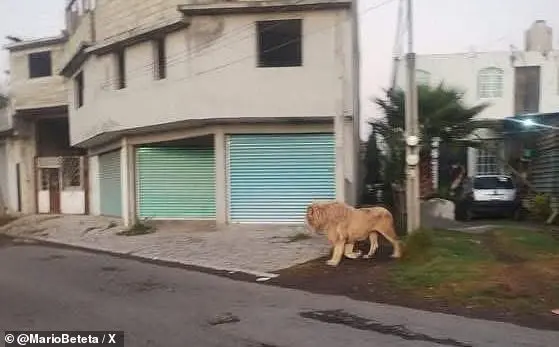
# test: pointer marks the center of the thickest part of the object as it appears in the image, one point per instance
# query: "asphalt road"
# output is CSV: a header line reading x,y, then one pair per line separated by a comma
x,y
44,288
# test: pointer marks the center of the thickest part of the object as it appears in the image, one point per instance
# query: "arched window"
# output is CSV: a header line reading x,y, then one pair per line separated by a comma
x,y
422,77
490,83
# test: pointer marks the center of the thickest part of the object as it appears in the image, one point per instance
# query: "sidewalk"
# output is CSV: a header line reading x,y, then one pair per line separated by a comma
x,y
252,249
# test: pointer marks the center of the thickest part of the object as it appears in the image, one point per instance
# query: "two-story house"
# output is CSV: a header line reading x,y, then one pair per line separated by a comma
x,y
513,82
233,111
43,173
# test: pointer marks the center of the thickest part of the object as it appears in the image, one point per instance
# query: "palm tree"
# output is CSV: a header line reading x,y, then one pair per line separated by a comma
x,y
442,114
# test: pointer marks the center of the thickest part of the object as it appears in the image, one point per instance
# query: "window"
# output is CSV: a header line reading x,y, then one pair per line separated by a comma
x,y
40,64
71,172
279,43
78,89
490,83
486,163
121,69
160,59
493,182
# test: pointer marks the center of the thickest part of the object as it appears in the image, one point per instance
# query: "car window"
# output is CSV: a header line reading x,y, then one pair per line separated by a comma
x,y
493,182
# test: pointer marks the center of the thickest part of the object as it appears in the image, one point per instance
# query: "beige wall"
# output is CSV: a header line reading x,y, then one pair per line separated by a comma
x,y
115,19
82,34
461,71
37,92
220,81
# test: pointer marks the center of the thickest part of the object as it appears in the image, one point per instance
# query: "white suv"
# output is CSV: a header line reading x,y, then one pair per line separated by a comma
x,y
488,194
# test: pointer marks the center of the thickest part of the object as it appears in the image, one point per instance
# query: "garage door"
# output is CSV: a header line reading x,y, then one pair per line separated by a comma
x,y
109,184
3,176
272,178
176,183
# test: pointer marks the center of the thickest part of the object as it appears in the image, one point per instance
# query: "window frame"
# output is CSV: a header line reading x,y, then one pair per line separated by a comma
x,y
264,26
490,83
160,58
33,73
79,89
120,60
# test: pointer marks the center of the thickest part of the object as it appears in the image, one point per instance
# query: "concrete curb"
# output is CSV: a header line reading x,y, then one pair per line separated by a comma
x,y
169,262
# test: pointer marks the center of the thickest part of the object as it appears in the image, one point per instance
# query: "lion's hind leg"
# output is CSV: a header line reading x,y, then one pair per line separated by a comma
x,y
373,238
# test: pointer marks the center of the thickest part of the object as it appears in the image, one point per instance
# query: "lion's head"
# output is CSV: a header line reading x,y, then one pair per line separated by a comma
x,y
321,214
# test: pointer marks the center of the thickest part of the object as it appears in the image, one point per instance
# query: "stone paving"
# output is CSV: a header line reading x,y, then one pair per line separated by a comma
x,y
254,249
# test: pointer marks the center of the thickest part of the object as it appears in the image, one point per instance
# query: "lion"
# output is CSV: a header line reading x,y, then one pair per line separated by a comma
x,y
344,225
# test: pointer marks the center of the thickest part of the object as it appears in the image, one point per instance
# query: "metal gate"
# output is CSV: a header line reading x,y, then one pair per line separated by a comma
x,y
110,184
273,177
176,183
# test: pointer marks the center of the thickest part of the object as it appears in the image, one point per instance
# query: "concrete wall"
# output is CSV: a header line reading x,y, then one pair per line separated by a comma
x,y
461,70
115,19
20,151
37,92
220,81
82,33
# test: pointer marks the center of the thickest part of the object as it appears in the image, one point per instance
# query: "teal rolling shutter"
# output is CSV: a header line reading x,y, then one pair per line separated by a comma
x,y
272,178
175,183
109,184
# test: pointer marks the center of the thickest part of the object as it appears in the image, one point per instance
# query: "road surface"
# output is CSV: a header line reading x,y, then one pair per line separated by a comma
x,y
45,288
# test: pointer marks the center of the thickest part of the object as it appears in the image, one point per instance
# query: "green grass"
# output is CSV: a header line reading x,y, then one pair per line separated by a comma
x,y
139,228
516,269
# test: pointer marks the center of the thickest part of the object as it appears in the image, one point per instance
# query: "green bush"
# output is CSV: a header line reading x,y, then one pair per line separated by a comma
x,y
541,207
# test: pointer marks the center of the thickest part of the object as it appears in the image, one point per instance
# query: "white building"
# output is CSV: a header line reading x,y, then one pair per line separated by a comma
x,y
514,82
223,111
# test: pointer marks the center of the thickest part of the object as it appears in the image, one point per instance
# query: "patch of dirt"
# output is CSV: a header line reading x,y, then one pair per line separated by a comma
x,y
500,252
367,280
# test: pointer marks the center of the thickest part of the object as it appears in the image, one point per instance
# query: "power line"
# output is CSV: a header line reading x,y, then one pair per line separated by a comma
x,y
111,81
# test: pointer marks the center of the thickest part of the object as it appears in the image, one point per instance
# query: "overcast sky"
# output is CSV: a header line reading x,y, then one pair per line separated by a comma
x,y
441,26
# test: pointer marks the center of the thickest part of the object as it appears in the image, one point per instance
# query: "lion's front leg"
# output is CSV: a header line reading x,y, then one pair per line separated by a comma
x,y
337,253
373,238
349,253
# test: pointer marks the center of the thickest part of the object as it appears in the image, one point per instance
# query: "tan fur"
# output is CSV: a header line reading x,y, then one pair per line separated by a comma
x,y
344,225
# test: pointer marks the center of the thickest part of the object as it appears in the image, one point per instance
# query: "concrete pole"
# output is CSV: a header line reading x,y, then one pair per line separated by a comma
x,y
412,134
356,80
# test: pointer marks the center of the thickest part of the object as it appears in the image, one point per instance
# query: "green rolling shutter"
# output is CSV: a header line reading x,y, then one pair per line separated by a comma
x,y
176,183
272,178
110,184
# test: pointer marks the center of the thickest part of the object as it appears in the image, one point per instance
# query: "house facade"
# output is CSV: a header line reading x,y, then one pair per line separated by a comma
x,y
233,111
514,82
42,172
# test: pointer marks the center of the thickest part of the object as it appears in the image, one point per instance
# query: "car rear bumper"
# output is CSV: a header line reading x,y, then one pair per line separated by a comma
x,y
494,206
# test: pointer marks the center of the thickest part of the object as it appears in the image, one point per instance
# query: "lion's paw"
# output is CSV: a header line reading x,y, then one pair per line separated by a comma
x,y
366,256
354,255
331,263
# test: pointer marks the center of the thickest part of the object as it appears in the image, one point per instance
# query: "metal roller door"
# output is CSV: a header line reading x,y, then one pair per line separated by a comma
x,y
176,183
273,177
4,201
110,184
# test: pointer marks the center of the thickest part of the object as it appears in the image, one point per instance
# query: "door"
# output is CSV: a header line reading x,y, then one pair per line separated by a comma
x,y
176,183
110,184
53,179
273,177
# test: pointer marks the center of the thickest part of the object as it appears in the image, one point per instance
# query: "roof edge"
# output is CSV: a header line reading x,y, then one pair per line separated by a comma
x,y
261,7
36,43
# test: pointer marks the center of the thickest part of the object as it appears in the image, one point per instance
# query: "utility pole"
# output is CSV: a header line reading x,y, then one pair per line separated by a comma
x,y
412,134
356,81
